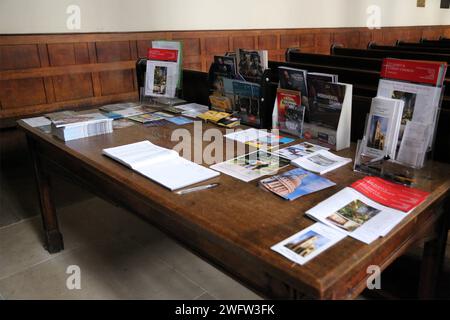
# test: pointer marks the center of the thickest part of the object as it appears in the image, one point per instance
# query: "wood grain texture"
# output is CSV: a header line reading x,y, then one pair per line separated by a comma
x,y
234,225
64,68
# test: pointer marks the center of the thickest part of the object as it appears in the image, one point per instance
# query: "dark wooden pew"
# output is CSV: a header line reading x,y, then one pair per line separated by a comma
x,y
380,54
409,47
365,82
441,43
295,55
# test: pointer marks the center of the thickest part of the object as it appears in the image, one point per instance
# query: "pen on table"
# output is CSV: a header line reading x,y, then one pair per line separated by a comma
x,y
204,187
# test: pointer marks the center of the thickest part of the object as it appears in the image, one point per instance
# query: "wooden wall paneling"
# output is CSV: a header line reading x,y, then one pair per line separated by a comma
x,y
22,93
364,38
323,42
349,39
70,86
244,42
112,51
377,36
48,81
45,107
96,85
115,82
62,70
289,41
192,54
307,41
14,57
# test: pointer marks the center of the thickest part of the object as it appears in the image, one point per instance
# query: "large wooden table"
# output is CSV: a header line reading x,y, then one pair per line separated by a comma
x,y
234,225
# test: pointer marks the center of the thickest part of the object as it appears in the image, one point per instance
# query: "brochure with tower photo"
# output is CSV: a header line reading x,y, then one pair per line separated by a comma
x,y
383,127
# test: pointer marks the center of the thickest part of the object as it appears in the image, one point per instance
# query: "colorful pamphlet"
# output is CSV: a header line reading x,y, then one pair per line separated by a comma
x,y
295,183
390,194
290,112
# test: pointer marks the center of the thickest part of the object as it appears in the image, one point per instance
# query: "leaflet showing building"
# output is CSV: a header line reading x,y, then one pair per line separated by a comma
x,y
308,243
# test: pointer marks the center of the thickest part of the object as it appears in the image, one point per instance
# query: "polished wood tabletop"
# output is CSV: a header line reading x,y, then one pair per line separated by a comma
x,y
234,225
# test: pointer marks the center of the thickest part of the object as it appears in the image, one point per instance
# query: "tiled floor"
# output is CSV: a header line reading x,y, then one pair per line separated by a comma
x,y
120,256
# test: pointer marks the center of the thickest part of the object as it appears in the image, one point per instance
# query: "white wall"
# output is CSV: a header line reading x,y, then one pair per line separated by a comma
x,y
49,16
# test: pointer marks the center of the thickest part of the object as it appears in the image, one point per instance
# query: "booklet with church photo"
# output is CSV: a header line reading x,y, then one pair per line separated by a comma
x,y
308,243
295,183
383,127
252,166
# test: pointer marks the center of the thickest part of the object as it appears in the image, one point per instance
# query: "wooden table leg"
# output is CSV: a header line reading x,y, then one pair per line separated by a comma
x,y
433,258
53,237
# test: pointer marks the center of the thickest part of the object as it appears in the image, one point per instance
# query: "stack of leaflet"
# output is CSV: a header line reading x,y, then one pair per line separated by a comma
x,y
419,85
69,125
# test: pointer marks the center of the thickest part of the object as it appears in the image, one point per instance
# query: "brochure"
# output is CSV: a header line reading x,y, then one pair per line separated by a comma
x,y
356,215
308,243
295,183
252,166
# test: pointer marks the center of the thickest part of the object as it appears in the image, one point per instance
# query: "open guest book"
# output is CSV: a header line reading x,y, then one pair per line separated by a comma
x,y
159,164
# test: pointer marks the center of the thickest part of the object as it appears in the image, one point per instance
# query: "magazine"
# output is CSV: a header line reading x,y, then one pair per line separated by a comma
x,y
252,166
299,150
325,103
247,102
252,63
293,79
295,183
308,243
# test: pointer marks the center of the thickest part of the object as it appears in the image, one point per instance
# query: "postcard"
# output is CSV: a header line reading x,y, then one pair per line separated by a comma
x,y
299,150
308,243
295,183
